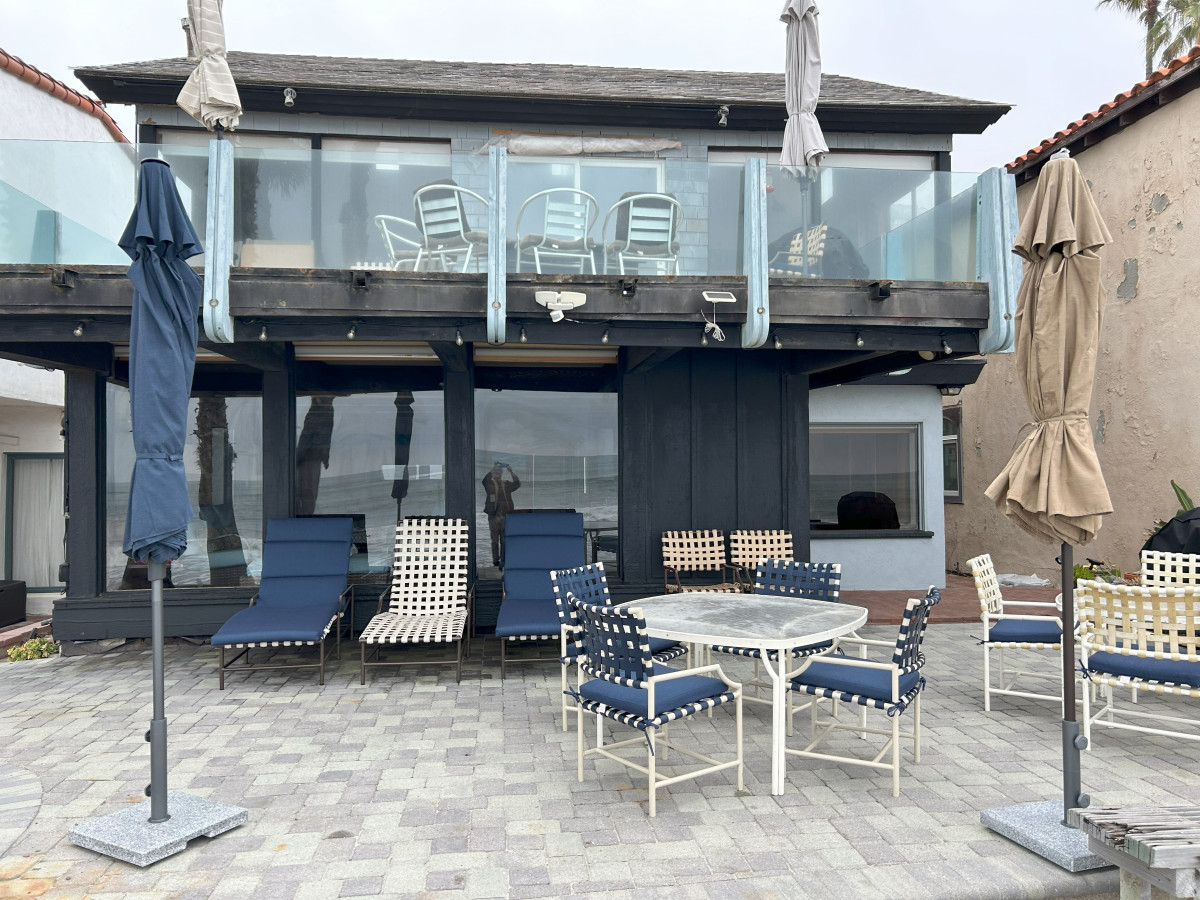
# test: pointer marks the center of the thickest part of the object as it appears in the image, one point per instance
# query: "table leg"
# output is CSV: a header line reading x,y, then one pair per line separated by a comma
x,y
775,670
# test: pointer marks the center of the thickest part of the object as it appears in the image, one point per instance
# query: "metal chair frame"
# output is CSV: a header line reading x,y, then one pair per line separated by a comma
x,y
444,225
402,251
566,227
648,225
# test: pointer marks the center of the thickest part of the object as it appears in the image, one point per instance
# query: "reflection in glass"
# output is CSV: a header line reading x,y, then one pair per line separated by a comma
x,y
555,450
223,462
375,457
865,476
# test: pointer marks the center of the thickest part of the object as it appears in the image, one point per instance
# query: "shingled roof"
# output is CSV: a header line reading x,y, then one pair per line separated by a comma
x,y
410,83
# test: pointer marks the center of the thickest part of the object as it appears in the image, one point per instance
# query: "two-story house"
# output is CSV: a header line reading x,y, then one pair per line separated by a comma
x,y
599,278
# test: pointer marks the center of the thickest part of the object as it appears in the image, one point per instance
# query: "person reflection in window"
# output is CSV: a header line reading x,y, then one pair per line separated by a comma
x,y
498,504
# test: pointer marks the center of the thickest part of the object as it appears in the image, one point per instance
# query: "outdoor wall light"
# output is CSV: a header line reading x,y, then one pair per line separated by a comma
x,y
946,348
858,341
289,97
262,333
458,337
353,332
950,390
604,337
524,339
558,302
722,115
78,330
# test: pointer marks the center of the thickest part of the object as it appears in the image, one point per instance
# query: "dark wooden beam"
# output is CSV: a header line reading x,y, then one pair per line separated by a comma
x,y
458,399
796,462
279,441
324,378
878,365
455,357
643,359
266,357
85,412
93,357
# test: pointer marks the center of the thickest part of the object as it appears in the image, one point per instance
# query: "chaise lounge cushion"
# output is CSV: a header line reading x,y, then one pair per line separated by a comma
x,y
668,695
528,618
1167,671
271,624
1025,631
864,682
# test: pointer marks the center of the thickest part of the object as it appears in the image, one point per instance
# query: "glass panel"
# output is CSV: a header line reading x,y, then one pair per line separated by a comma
x,y
37,523
854,222
223,461
374,457
543,450
65,201
865,477
664,227
950,468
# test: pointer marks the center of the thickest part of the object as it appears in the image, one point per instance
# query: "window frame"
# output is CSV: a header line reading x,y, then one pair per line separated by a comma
x,y
953,412
913,428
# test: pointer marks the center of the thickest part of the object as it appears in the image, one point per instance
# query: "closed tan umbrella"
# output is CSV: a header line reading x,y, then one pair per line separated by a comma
x,y
1053,487
210,96
803,143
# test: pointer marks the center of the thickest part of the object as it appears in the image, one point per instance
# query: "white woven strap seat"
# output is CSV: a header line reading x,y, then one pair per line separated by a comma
x,y
725,587
389,628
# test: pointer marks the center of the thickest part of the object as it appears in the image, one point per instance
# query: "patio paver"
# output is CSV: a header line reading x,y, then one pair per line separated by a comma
x,y
413,786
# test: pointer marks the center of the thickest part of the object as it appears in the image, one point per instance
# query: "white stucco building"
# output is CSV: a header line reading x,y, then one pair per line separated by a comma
x,y
38,108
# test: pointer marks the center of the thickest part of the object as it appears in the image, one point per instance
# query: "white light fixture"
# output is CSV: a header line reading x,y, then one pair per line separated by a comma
x,y
946,348
524,339
262,333
458,337
350,335
778,343
78,330
559,302
604,337
289,97
950,390
858,340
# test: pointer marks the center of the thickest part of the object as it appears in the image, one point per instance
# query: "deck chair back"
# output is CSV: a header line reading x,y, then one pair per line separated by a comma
x,y
430,568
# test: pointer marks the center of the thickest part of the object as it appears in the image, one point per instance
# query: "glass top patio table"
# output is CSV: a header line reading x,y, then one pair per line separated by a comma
x,y
752,620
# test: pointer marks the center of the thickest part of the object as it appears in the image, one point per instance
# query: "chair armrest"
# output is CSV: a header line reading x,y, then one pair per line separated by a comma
x,y
1048,604
1007,617
699,670
343,597
847,639
850,661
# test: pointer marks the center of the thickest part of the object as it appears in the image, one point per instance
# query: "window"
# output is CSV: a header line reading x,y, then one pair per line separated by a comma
x,y
952,472
375,457
36,527
223,462
865,477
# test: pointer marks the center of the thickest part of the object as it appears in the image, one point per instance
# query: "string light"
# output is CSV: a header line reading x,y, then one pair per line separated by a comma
x,y
352,332
778,343
858,340
78,332
262,333
524,339
604,337
458,337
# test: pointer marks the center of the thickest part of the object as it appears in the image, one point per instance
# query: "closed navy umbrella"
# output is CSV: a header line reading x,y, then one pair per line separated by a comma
x,y
162,354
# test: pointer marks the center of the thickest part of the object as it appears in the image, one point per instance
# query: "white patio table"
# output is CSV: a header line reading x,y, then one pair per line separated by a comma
x,y
752,620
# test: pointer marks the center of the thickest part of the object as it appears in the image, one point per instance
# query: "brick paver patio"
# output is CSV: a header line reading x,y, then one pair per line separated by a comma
x,y
413,786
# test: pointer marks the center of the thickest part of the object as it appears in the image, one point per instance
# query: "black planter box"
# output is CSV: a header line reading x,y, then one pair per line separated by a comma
x,y
12,603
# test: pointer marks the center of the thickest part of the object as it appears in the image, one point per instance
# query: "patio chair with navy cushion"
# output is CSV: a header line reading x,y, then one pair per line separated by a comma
x,y
301,595
890,686
590,584
788,578
1004,630
626,685
429,599
535,544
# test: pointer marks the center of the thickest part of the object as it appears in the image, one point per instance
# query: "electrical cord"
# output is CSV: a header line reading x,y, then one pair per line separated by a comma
x,y
711,327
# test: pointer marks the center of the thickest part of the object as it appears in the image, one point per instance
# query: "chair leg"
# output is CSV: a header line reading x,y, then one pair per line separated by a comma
x,y
458,663
917,729
362,663
321,669
503,644
987,679
221,668
896,755
564,696
579,742
737,712
653,777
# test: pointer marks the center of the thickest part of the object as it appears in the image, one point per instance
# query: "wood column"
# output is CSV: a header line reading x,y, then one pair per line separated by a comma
x,y
86,458
279,440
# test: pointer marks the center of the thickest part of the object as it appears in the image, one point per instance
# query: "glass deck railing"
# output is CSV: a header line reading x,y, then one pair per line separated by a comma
x,y
65,201
897,224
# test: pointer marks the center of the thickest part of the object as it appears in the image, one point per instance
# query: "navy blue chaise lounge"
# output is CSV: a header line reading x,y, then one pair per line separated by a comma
x,y
534,544
301,595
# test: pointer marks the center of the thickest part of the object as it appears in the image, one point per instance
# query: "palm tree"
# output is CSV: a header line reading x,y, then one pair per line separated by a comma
x,y
1176,31
1146,12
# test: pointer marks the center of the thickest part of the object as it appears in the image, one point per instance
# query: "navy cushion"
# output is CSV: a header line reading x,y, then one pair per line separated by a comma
x,y
873,683
544,523
543,551
1025,631
333,528
302,590
305,561
527,584
658,645
256,624
1168,670
527,617
668,695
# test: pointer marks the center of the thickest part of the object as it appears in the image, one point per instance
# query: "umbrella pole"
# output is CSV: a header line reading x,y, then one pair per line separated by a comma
x,y
1072,741
157,735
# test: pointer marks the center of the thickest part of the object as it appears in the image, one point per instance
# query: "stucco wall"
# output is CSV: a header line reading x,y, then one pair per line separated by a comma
x,y
32,114
1146,182
890,563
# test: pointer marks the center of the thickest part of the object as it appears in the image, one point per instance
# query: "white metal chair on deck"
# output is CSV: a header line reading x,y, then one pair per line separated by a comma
x,y
645,230
446,233
1006,631
404,250
567,219
1161,569
429,601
